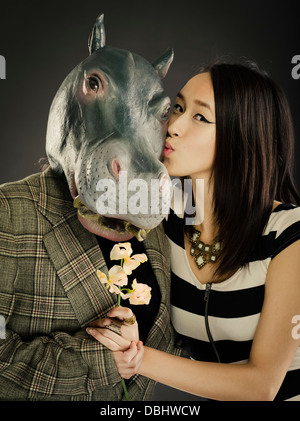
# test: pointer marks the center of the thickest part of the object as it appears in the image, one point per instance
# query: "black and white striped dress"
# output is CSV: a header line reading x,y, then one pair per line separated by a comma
x,y
233,306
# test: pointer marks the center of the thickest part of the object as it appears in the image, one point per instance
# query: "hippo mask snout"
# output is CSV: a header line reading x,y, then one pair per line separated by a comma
x,y
118,187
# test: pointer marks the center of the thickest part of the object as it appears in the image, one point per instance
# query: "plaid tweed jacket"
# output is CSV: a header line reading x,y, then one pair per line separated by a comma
x,y
49,292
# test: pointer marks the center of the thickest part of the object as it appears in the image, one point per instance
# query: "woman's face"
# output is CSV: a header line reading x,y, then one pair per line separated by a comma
x,y
190,144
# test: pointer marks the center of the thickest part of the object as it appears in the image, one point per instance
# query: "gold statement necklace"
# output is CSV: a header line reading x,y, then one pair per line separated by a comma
x,y
201,252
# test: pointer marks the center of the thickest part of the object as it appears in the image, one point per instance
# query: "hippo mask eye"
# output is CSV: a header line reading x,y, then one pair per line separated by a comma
x,y
166,112
93,84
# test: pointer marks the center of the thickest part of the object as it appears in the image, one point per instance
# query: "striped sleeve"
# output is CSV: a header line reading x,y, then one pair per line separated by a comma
x,y
283,228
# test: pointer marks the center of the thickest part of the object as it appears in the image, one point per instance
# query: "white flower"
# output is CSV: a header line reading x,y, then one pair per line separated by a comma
x,y
122,251
141,294
116,278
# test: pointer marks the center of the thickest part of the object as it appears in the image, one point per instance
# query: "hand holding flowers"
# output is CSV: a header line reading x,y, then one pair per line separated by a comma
x,y
138,294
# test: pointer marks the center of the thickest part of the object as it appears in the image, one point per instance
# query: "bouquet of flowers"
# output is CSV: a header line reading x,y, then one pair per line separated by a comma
x,y
117,276
117,280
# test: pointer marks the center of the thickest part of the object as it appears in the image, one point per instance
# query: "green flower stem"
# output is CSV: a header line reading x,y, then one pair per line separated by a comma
x,y
123,381
125,390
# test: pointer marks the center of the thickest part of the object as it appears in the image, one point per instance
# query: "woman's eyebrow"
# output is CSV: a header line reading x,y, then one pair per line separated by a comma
x,y
196,101
179,95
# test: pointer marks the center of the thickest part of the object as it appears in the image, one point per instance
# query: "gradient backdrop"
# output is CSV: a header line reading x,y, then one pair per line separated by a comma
x,y
42,41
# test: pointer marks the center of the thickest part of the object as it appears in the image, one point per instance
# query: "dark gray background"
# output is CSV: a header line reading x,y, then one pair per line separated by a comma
x,y
42,41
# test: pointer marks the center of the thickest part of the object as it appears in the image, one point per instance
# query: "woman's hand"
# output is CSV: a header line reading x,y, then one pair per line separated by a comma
x,y
110,339
129,362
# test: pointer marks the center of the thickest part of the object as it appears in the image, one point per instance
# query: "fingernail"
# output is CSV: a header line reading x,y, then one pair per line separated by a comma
x,y
90,331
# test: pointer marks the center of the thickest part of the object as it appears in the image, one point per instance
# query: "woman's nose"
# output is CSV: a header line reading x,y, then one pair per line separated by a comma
x,y
175,128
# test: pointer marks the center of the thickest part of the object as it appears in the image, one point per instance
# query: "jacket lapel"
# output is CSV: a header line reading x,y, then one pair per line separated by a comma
x,y
74,252
157,251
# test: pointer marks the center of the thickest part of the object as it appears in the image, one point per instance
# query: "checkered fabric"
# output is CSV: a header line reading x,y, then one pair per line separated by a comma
x,y
49,292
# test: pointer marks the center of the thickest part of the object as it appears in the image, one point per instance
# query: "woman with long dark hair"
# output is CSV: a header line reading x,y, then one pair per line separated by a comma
x,y
235,297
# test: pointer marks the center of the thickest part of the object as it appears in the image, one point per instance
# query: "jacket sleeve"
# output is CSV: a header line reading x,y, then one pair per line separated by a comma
x,y
55,365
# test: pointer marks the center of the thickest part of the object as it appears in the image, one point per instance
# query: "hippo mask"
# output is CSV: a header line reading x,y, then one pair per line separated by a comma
x,y
106,132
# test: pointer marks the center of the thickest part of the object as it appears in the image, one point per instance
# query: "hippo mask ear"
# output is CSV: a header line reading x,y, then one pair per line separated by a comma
x,y
163,63
97,36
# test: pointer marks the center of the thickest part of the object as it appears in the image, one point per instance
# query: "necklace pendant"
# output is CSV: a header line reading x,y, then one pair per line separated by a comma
x,y
198,256
200,260
201,252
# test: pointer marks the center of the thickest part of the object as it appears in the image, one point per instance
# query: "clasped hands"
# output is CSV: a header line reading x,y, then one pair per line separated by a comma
x,y
127,349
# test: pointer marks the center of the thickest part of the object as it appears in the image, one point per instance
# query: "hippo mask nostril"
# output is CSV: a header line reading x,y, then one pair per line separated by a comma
x,y
72,185
116,167
163,182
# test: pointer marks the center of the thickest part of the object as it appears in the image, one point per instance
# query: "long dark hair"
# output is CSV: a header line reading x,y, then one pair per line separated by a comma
x,y
254,158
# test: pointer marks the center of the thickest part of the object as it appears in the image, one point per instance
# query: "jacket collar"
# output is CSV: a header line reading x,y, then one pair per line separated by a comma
x,y
55,199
